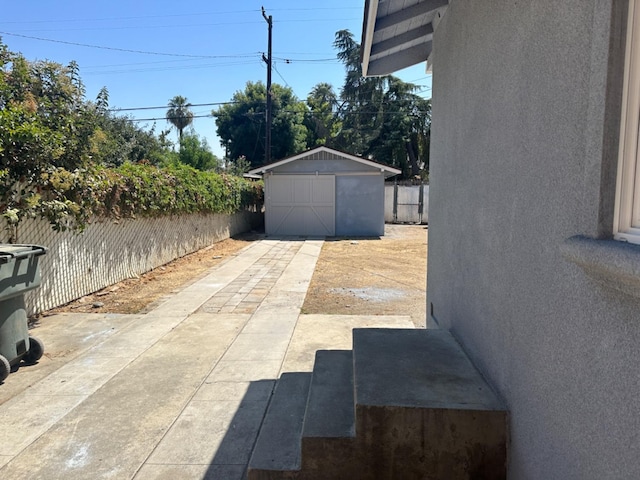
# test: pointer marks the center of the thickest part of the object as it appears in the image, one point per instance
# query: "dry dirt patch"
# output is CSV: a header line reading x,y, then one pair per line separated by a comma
x,y
377,276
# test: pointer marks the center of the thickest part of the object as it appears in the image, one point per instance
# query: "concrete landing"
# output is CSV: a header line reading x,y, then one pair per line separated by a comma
x,y
423,410
418,368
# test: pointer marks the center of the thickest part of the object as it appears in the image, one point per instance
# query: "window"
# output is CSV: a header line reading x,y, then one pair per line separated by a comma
x,y
627,210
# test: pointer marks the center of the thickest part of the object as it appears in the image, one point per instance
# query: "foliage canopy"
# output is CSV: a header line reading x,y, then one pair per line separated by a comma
x,y
67,159
241,123
381,118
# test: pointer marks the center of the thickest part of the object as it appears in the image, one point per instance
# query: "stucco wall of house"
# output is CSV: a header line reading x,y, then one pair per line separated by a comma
x,y
360,205
524,141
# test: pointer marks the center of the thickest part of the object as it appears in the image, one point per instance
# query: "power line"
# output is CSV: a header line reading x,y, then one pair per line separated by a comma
x,y
166,118
169,68
162,65
188,25
145,52
137,27
295,60
280,75
72,20
130,109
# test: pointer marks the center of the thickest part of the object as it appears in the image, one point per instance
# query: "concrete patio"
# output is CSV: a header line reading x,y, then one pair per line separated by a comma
x,y
179,392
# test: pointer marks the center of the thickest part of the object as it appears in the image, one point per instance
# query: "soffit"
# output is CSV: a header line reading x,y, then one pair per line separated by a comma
x,y
398,33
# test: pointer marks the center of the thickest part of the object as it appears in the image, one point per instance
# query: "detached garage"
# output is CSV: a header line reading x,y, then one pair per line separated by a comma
x,y
324,192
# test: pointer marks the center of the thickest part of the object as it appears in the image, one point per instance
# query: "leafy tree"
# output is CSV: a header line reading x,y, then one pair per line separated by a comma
x,y
238,167
196,152
51,137
43,120
361,99
241,123
381,117
116,139
321,120
403,138
179,114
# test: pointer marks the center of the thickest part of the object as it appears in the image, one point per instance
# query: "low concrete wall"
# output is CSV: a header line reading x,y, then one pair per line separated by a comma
x,y
108,252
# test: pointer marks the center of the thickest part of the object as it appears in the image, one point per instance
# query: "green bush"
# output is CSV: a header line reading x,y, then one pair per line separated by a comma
x,y
71,199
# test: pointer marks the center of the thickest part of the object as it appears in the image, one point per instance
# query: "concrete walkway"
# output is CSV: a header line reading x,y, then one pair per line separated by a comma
x,y
179,392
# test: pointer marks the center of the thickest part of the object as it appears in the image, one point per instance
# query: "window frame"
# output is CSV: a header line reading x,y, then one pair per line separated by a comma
x,y
627,205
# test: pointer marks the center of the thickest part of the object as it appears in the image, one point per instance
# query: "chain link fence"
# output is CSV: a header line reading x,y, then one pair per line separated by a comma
x,y
111,251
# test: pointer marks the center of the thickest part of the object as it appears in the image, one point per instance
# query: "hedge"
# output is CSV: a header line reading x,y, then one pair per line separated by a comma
x,y
70,199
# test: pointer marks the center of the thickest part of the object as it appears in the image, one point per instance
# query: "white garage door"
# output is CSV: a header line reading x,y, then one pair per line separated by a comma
x,y
300,205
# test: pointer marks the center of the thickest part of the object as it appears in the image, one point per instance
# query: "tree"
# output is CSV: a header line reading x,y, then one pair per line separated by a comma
x,y
195,151
321,121
44,120
381,117
403,139
179,114
361,99
241,123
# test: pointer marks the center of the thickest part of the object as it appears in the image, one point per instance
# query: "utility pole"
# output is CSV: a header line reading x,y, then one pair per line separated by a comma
x,y
267,147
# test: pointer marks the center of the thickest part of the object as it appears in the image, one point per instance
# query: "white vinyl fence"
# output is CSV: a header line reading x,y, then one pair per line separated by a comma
x,y
108,251
406,203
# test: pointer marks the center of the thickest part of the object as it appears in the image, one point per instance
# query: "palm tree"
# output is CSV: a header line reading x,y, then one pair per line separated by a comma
x,y
179,114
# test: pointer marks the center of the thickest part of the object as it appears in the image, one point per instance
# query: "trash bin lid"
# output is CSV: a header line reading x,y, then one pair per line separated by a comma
x,y
9,251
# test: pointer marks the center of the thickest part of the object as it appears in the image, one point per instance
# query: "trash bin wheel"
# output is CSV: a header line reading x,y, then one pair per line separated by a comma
x,y
36,349
5,368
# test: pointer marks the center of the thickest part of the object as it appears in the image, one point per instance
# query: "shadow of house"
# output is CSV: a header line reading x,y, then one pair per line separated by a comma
x,y
234,450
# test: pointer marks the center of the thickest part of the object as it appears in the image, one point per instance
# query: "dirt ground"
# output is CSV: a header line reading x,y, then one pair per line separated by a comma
x,y
381,276
378,276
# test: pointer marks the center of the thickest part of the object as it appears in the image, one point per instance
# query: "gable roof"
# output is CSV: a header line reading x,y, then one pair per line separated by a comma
x,y
398,33
386,169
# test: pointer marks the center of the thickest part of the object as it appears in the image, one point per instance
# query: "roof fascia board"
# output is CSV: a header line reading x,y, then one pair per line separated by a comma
x,y
371,9
265,168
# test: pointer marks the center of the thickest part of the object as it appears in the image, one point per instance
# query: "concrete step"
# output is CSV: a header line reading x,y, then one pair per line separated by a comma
x,y
423,410
277,449
328,435
330,408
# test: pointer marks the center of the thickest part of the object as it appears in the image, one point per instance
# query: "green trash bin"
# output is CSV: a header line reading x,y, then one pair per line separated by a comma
x,y
19,273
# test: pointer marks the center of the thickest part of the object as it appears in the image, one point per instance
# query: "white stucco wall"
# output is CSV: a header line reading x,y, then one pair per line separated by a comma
x,y
523,157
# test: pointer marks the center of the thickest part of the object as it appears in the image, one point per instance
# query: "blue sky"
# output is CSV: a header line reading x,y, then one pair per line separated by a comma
x,y
204,51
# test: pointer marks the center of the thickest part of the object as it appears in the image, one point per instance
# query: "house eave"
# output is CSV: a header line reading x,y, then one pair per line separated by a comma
x,y
398,33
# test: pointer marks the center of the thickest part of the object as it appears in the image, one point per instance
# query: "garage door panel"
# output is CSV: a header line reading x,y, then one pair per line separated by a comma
x,y
277,218
280,192
301,188
301,205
